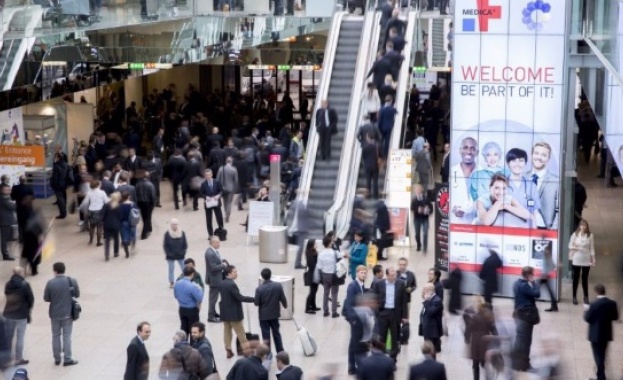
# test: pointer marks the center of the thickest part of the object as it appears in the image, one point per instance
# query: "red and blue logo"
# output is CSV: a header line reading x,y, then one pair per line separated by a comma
x,y
484,12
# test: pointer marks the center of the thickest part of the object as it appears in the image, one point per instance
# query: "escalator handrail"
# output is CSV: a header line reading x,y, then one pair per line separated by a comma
x,y
323,90
401,91
336,217
7,58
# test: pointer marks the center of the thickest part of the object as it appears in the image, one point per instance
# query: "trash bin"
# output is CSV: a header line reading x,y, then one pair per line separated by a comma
x,y
287,282
273,244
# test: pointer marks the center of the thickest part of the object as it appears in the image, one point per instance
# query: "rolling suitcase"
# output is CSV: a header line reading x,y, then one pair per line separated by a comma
x,y
307,341
250,336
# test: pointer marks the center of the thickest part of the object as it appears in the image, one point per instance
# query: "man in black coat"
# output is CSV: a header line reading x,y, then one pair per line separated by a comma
x,y
17,311
268,296
376,366
286,370
217,157
408,277
392,310
137,366
199,342
194,169
132,164
153,166
489,275
326,125
231,309
251,368
357,348
212,191
368,130
600,315
176,169
18,193
431,327
62,178
146,201
428,369
370,157
106,184
380,69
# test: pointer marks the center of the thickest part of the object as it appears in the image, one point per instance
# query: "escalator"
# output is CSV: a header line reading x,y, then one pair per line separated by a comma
x,y
344,201
9,52
323,181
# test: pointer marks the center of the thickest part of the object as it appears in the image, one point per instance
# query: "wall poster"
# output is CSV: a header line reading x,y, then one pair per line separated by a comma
x,y
507,101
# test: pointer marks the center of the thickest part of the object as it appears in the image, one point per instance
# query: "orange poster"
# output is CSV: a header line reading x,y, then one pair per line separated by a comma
x,y
398,220
22,155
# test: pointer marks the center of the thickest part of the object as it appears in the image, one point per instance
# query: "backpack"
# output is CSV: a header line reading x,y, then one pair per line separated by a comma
x,y
135,216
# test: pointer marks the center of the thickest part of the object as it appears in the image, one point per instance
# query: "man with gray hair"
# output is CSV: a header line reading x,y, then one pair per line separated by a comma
x,y
215,265
182,361
19,303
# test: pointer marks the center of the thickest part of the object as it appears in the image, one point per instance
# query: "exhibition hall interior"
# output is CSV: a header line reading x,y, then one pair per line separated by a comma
x,y
503,115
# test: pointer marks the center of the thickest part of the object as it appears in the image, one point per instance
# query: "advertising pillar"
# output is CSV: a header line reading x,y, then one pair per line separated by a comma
x,y
507,112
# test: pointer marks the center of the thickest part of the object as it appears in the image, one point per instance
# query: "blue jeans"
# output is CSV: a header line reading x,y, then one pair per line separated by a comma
x,y
171,263
266,327
64,327
10,326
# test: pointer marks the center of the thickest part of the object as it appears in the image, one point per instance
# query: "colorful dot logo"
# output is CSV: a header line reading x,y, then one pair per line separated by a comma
x,y
536,14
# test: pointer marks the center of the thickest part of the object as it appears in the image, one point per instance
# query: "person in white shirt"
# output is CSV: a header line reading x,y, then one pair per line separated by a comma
x,y
582,257
462,203
371,103
94,202
327,262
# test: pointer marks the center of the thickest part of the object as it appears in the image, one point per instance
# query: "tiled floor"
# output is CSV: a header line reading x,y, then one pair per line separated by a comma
x,y
116,295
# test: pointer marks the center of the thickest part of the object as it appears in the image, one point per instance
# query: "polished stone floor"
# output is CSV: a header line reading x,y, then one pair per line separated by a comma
x,y
116,295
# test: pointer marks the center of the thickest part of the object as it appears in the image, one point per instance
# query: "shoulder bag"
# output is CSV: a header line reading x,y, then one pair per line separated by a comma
x,y
76,309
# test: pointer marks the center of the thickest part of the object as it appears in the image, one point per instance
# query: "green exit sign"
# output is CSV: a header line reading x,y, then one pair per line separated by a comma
x,y
419,68
136,66
284,67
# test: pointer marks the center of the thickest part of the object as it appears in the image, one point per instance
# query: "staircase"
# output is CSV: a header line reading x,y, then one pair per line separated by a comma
x,y
323,184
438,43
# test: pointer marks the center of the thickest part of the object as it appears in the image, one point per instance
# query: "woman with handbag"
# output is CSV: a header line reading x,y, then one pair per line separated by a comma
x,y
311,257
582,257
327,266
93,203
421,209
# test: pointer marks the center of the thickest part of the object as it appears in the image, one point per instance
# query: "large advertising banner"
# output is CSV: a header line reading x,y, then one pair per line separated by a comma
x,y
507,99
13,154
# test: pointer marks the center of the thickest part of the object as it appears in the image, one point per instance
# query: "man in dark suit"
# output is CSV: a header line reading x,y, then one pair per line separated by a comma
x,y
251,367
132,164
194,169
176,169
137,366
368,130
376,366
370,157
356,348
381,67
106,184
326,124
392,309
428,369
157,144
153,166
600,315
18,193
268,296
231,309
286,370
215,265
408,277
212,191
430,318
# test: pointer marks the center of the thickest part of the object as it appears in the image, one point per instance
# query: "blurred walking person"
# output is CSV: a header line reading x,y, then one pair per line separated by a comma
x,y
526,314
33,235
479,326
111,219
311,258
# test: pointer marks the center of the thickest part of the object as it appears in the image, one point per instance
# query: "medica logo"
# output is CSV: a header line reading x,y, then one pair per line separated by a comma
x,y
483,13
